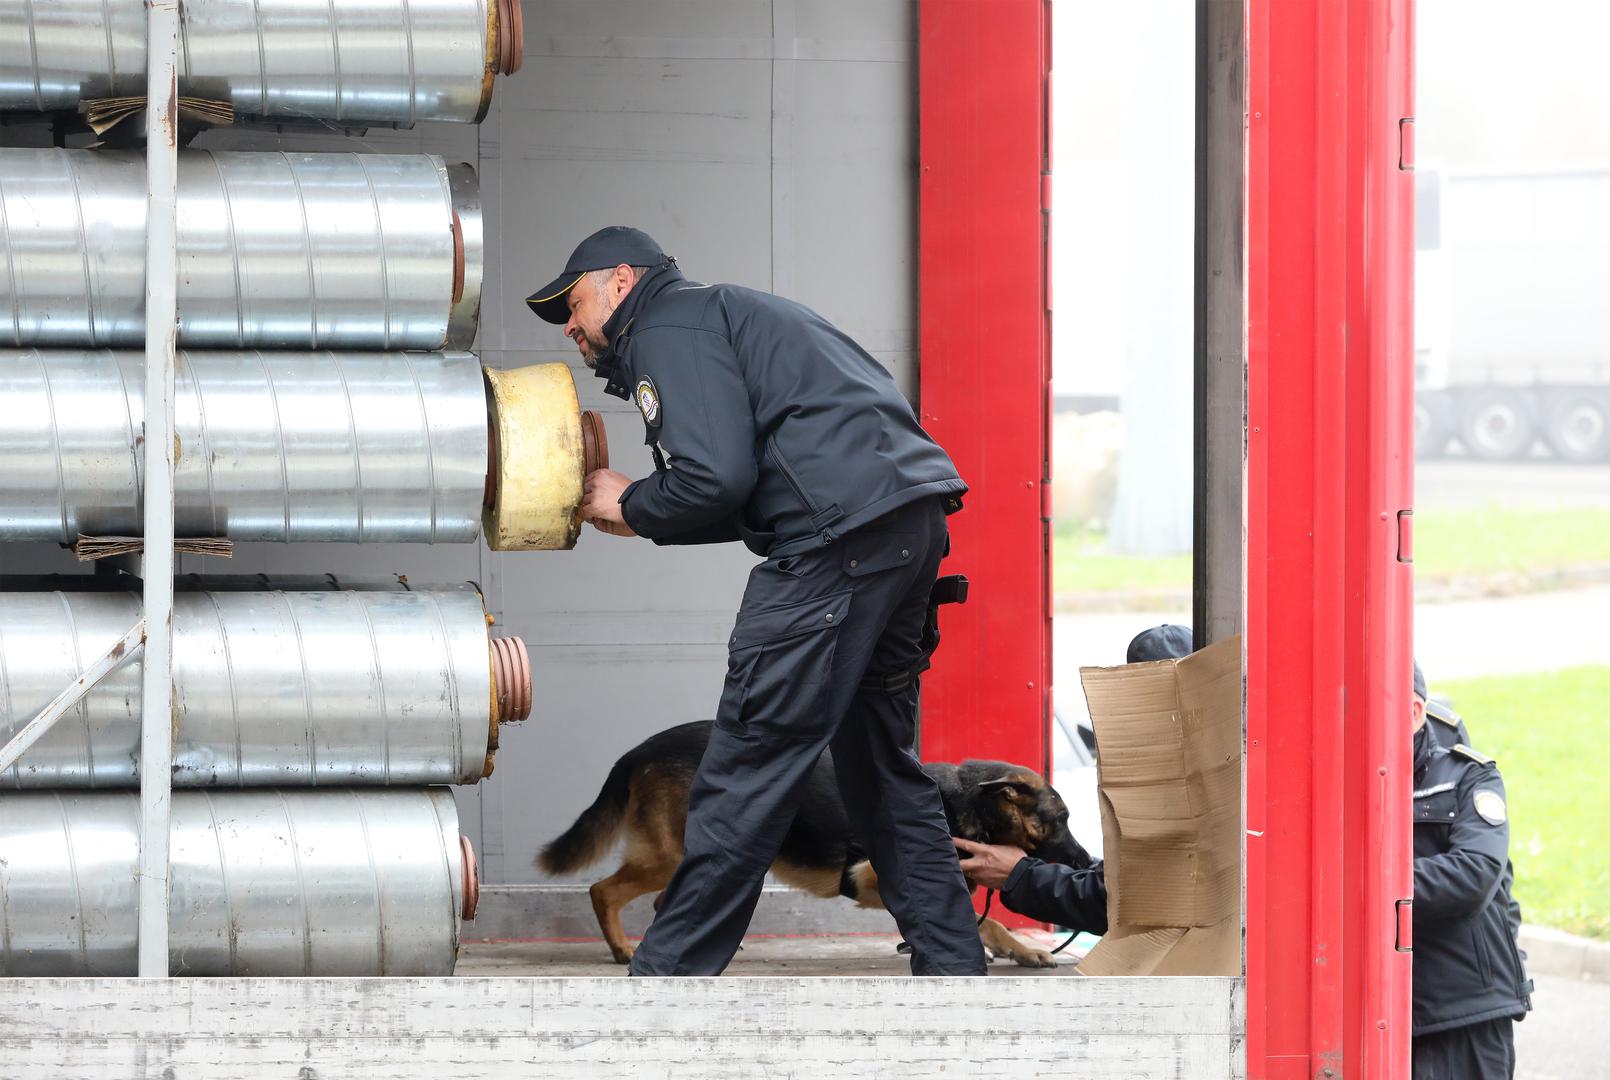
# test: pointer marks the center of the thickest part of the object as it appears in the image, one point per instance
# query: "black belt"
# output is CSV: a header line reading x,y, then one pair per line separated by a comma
x,y
947,590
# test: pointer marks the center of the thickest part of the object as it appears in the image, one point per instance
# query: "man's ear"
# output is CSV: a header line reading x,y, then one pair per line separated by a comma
x,y
623,280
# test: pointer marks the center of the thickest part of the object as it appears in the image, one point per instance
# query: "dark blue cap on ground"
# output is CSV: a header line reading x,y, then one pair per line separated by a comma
x,y
1419,682
614,245
1167,642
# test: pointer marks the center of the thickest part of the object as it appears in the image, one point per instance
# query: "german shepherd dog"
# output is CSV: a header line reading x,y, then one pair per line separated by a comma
x,y
646,796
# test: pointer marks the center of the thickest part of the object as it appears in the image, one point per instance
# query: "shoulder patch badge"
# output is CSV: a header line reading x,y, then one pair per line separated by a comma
x,y
1490,805
648,401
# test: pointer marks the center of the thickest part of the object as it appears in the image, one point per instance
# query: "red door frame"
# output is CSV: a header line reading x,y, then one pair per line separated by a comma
x,y
1329,241
1330,354
984,342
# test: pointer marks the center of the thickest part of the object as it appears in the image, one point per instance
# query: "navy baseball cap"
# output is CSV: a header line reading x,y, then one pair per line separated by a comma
x,y
1419,682
1167,642
609,247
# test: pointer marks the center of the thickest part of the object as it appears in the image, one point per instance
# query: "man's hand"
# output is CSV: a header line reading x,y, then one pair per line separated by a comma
x,y
989,865
601,501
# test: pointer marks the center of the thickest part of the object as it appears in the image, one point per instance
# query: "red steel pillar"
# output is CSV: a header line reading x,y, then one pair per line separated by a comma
x,y
984,342
1330,358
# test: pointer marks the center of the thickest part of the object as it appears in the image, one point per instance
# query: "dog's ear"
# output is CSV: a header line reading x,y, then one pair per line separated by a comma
x,y
1015,789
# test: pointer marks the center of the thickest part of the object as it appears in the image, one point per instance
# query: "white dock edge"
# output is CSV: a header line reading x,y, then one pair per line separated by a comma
x,y
596,1029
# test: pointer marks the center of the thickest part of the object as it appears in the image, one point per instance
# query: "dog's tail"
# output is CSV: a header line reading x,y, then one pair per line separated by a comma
x,y
591,835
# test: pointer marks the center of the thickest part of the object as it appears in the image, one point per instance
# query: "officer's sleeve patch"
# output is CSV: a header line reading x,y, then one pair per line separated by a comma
x,y
1490,805
648,401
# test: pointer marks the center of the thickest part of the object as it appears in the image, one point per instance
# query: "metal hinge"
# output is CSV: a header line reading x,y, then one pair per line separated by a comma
x,y
1405,941
1405,536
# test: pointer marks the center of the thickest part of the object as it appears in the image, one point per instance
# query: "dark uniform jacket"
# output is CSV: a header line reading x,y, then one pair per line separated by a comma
x,y
1449,727
1467,967
1448,730
1058,894
767,423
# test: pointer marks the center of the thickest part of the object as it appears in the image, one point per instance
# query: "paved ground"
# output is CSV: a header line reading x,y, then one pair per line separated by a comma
x,y
1455,482
858,954
1561,1039
1535,632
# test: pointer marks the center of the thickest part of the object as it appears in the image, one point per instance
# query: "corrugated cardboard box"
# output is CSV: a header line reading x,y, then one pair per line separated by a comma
x,y
1168,739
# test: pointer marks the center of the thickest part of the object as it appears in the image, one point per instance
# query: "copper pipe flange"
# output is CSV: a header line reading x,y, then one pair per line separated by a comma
x,y
472,879
594,443
503,669
489,494
525,677
511,668
511,37
458,258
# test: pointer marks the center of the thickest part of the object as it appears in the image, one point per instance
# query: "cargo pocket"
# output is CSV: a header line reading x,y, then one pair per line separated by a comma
x,y
780,667
872,552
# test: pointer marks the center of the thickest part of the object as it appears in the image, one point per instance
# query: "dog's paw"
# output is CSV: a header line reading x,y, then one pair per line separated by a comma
x,y
1034,958
624,955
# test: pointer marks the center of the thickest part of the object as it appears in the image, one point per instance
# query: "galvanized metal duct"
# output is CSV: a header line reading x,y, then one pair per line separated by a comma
x,y
283,446
270,688
296,251
276,883
358,62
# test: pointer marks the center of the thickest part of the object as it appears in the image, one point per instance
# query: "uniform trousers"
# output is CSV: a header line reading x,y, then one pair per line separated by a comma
x,y
811,626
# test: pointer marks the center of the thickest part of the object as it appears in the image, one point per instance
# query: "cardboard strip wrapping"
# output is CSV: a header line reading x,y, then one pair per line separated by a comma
x,y
1168,737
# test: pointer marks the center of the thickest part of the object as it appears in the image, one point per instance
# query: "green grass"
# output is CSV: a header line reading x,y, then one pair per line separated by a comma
x,y
1551,736
1467,541
1450,544
1080,562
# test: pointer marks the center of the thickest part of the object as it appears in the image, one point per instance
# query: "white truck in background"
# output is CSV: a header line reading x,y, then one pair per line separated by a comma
x,y
1512,313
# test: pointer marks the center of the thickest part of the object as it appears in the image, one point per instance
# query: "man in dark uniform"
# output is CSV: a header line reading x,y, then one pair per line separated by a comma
x,y
1449,727
1049,892
1469,983
1448,730
1170,641
770,426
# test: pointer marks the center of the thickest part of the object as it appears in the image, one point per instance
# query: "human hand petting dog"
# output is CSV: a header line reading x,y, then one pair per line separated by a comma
x,y
601,501
989,865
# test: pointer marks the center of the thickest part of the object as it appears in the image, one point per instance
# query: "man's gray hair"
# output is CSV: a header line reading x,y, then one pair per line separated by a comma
x,y
600,278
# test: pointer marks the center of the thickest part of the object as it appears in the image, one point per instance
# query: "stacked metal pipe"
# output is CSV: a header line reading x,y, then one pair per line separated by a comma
x,y
358,62
264,882
321,298
276,250
270,688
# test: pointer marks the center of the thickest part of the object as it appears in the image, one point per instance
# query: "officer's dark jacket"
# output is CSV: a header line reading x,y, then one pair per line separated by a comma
x,y
1467,967
776,427
1447,726
1058,894
1448,730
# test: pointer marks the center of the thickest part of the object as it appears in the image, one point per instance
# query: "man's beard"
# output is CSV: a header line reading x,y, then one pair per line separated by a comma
x,y
593,352
598,346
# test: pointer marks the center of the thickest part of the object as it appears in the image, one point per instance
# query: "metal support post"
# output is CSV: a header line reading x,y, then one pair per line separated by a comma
x,y
161,316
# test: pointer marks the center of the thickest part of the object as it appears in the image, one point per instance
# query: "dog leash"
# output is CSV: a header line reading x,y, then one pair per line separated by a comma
x,y
989,898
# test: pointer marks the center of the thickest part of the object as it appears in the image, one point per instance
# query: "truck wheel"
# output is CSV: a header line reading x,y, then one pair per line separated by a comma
x,y
1496,425
1432,427
1578,426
